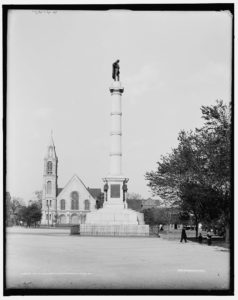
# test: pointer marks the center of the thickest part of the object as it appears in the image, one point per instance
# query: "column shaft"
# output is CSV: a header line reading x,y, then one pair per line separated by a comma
x,y
116,130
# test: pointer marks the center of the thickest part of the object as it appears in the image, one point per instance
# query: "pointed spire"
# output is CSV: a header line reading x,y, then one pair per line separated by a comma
x,y
51,143
51,147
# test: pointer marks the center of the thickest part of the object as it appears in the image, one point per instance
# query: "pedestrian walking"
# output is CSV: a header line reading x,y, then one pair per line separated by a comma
x,y
200,238
158,230
183,236
209,238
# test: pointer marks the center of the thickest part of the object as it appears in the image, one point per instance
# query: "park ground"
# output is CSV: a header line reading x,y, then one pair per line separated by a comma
x,y
53,259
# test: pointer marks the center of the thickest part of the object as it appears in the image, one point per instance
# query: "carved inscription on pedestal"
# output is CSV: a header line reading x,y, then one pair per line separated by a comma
x,y
115,190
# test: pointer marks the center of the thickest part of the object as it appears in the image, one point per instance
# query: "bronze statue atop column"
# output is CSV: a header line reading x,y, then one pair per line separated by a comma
x,y
116,70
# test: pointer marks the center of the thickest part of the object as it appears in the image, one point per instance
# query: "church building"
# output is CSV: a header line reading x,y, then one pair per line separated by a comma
x,y
68,205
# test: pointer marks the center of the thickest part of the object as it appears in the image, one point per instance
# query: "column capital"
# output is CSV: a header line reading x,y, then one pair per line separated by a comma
x,y
115,154
116,113
116,88
115,133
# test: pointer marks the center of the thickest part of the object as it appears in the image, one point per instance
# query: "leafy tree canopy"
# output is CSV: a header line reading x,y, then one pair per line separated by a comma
x,y
196,175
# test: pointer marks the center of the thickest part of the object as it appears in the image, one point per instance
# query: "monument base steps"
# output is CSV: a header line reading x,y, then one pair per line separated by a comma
x,y
126,230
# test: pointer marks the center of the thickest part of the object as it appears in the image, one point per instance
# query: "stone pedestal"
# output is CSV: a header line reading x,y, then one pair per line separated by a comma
x,y
114,220
114,195
114,230
110,215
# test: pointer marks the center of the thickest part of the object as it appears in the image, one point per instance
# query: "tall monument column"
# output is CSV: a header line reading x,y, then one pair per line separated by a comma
x,y
115,212
115,179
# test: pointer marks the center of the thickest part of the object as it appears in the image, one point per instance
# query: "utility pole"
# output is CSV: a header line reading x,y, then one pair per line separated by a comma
x,y
48,215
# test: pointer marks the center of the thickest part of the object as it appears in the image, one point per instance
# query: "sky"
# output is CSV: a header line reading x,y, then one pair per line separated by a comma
x,y
58,77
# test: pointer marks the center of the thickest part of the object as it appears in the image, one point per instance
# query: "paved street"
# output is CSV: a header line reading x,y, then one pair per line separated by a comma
x,y
51,258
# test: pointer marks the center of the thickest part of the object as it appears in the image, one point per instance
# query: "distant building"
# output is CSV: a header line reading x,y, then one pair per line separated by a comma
x,y
169,216
150,203
68,205
141,204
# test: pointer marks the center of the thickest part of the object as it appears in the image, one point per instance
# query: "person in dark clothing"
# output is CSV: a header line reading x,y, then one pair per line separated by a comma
x,y
209,238
183,236
158,231
200,238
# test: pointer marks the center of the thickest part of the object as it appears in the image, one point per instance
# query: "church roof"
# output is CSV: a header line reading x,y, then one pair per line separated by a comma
x,y
58,191
95,192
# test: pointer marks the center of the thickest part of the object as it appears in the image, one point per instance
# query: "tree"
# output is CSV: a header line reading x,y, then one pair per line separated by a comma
x,y
134,201
15,204
216,134
203,203
148,216
156,216
133,196
184,216
30,214
199,167
22,214
8,208
34,213
99,200
39,198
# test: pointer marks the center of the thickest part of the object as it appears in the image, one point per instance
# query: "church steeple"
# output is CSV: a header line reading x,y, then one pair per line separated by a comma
x,y
51,153
50,176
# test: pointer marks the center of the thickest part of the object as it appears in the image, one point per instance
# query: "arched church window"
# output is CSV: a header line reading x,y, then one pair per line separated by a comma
x,y
49,187
86,205
49,167
62,204
75,200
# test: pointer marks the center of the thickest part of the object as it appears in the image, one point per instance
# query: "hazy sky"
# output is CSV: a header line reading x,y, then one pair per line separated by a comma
x,y
59,73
